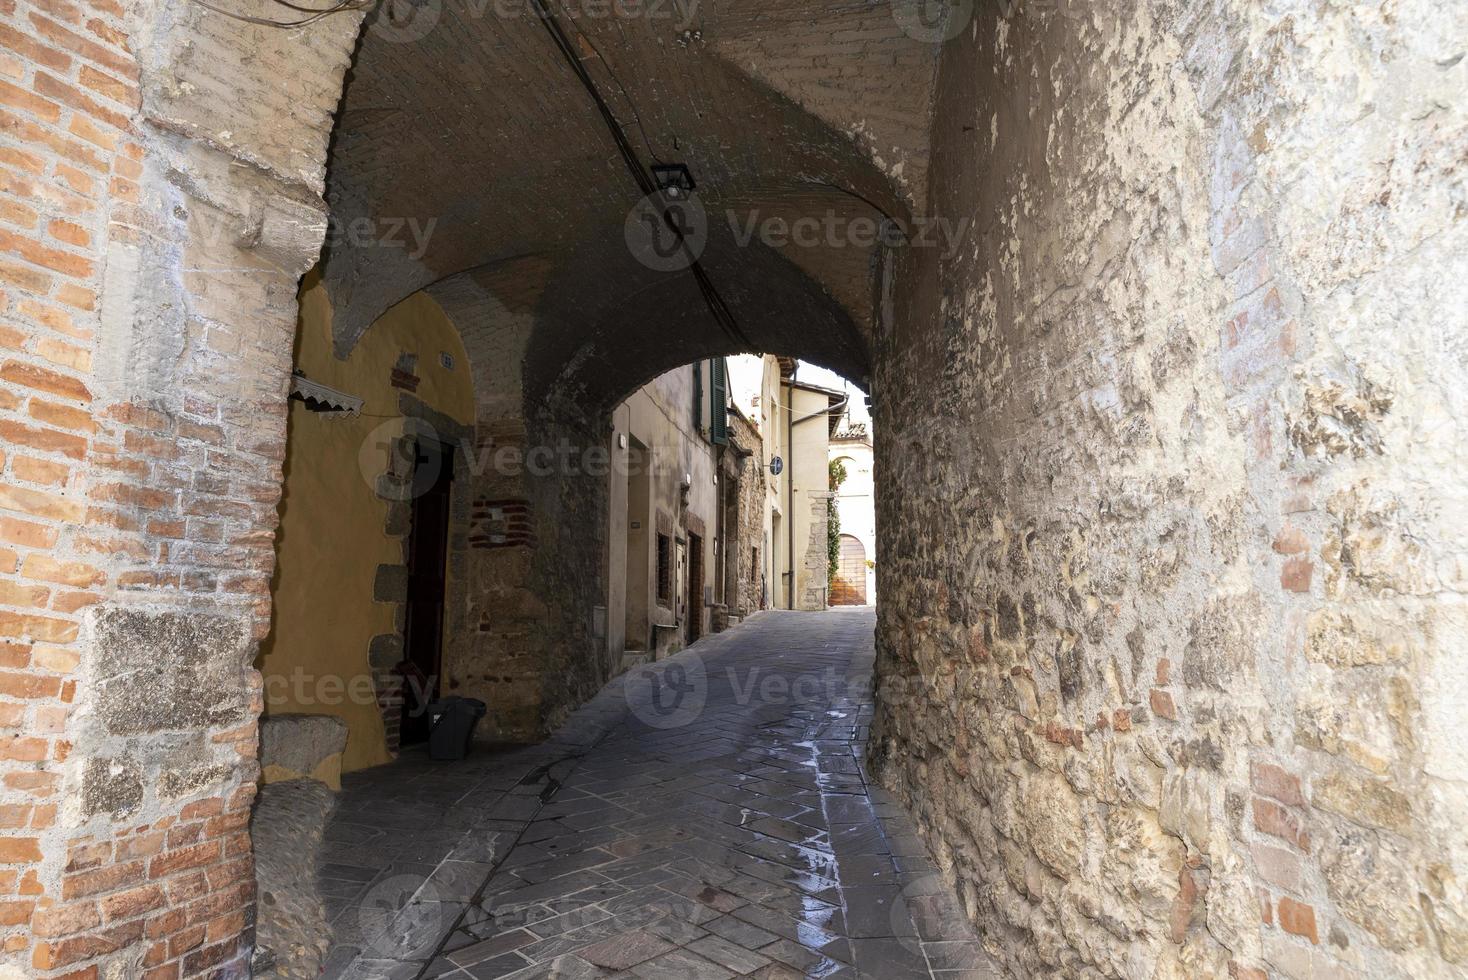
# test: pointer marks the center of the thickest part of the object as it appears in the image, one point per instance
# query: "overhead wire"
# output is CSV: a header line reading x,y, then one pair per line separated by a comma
x,y
611,73
315,13
722,313
715,302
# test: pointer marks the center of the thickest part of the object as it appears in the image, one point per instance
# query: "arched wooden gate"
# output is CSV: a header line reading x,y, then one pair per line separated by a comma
x,y
850,587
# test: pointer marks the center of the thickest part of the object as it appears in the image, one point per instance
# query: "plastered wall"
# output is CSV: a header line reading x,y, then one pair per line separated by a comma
x,y
338,530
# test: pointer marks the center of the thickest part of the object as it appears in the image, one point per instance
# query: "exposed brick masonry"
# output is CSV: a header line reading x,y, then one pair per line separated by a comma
x,y
143,356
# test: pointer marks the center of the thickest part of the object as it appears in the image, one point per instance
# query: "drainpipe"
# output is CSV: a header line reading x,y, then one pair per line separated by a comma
x,y
790,498
790,468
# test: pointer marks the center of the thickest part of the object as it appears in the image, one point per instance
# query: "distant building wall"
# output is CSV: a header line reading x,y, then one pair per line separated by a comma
x,y
855,502
746,593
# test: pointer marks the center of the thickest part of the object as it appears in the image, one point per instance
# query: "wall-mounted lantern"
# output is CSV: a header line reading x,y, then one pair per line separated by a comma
x,y
675,180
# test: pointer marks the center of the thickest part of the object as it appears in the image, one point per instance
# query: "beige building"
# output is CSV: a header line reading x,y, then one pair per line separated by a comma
x,y
796,421
677,566
855,580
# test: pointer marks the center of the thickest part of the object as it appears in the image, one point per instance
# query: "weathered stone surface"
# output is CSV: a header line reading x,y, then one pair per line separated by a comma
x,y
391,583
1221,642
1374,888
1340,639
111,786
385,651
294,746
190,778
1365,720
1161,488
161,671
291,931
1366,800
1052,819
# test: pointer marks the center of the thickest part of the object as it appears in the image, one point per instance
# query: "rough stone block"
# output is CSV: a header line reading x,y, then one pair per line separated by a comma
x,y
385,651
169,671
391,583
1367,801
1373,888
287,827
111,786
302,746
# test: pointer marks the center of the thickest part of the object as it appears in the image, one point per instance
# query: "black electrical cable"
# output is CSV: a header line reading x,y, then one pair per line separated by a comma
x,y
316,13
722,314
865,200
611,73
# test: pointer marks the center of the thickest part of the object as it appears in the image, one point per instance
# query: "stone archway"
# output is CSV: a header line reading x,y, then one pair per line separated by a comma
x,y
561,320
1204,334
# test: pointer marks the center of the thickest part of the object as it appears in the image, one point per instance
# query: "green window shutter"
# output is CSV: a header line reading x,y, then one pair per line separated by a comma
x,y
719,421
697,396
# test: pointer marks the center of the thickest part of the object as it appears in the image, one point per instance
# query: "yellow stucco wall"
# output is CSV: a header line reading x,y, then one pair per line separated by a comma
x,y
332,524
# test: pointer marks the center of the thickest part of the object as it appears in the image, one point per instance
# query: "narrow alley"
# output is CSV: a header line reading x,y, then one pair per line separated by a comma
x,y
434,435
704,819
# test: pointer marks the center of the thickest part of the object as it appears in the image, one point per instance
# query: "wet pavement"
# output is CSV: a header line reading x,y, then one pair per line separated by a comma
x,y
704,818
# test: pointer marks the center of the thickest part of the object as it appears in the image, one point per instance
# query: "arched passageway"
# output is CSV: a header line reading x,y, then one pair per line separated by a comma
x,y
1167,367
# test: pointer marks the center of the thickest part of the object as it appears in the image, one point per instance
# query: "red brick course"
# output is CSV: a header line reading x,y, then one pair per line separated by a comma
x,y
100,500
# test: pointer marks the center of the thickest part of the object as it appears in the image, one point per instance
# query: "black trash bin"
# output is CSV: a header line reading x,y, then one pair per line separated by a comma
x,y
453,720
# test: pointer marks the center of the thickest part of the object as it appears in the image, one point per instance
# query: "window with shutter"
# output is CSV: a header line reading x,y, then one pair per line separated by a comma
x,y
697,396
719,409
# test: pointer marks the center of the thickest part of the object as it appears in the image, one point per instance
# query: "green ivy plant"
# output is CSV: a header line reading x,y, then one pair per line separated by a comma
x,y
833,524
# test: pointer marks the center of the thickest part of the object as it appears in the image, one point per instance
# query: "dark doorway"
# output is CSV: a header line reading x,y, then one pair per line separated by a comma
x,y
428,540
695,587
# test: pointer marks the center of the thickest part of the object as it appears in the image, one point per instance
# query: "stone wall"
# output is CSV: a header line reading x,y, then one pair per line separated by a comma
x,y
746,595
1173,614
815,559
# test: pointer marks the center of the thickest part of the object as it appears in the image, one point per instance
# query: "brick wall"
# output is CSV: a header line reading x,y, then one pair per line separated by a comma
x,y
146,344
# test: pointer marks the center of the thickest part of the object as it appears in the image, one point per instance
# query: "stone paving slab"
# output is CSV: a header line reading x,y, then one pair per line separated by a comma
x,y
703,817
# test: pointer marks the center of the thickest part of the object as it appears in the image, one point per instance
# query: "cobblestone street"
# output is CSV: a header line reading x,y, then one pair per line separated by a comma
x,y
706,819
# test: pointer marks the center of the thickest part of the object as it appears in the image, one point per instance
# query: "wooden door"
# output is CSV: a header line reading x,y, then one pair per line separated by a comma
x,y
428,540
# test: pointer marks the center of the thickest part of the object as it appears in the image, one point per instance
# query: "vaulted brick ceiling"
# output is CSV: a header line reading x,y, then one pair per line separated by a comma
x,y
780,108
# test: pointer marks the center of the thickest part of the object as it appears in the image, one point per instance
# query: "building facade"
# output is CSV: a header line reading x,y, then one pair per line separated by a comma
x,y
796,420
677,562
427,531
854,582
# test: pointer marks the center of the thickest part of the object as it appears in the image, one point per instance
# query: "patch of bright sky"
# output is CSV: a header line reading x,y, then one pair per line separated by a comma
x,y
745,372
